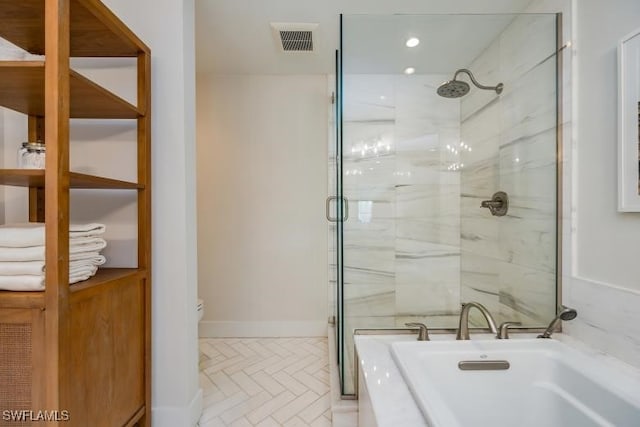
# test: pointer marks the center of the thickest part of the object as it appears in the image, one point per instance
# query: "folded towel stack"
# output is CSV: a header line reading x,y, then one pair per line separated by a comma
x,y
22,254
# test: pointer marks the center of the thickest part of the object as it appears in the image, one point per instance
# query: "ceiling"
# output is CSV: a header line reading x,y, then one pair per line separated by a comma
x,y
376,44
235,36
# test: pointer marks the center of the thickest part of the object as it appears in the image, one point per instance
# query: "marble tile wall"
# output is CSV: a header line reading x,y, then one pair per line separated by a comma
x,y
427,203
608,317
508,263
401,241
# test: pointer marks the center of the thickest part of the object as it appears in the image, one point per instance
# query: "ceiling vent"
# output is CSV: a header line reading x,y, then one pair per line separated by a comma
x,y
294,37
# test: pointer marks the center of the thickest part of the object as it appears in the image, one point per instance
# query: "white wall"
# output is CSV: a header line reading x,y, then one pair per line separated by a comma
x,y
262,173
167,27
16,208
607,240
605,287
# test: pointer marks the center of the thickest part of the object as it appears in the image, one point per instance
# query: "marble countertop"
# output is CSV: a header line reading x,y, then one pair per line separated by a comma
x,y
392,401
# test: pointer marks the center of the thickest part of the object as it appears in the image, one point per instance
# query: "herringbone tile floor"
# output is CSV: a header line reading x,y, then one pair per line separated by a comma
x,y
265,382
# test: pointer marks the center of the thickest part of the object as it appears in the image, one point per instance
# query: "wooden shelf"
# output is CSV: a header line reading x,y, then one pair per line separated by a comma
x,y
13,299
35,178
22,90
94,30
105,276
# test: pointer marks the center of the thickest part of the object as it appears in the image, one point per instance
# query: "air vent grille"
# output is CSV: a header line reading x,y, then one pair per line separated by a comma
x,y
292,37
297,41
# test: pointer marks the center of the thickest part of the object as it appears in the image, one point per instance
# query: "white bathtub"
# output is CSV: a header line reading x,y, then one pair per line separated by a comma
x,y
547,384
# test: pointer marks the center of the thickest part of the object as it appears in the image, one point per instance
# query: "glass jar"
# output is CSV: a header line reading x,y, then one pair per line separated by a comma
x,y
22,150
31,155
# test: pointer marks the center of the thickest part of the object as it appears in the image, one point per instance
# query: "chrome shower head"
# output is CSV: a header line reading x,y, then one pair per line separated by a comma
x,y
457,88
453,89
565,314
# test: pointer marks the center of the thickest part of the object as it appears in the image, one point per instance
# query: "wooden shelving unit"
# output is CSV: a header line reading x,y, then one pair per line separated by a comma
x,y
85,348
35,178
22,90
94,30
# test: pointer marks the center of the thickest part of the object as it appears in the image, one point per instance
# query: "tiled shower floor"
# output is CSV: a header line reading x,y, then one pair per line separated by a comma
x,y
265,382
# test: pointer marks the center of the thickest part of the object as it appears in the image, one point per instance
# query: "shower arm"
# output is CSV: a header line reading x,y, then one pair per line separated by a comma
x,y
497,88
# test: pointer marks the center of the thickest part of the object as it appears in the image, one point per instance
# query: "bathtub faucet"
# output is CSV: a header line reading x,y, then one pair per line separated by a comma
x,y
423,331
566,314
463,326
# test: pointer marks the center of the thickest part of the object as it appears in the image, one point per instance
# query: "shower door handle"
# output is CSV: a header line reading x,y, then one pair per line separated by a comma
x,y
345,210
328,209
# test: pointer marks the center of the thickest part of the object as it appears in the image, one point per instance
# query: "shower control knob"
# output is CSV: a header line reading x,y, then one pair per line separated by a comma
x,y
498,205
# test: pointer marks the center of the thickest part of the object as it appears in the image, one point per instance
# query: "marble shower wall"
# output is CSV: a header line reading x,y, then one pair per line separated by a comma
x,y
401,253
401,241
427,192
509,263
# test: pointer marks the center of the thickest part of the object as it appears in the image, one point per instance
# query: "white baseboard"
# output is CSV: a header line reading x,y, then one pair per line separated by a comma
x,y
219,329
172,416
195,408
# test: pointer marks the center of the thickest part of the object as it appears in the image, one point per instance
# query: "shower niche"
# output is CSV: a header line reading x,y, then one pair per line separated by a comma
x,y
426,137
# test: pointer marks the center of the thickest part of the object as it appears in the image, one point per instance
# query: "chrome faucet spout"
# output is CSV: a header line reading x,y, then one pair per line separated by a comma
x,y
463,326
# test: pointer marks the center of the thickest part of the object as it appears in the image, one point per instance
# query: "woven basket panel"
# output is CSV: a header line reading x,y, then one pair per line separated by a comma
x,y
15,370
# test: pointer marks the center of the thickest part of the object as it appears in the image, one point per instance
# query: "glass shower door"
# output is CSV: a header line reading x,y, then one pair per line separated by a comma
x,y
413,168
340,216
337,213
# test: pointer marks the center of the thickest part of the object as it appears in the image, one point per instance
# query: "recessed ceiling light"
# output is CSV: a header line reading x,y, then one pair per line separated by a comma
x,y
413,42
409,70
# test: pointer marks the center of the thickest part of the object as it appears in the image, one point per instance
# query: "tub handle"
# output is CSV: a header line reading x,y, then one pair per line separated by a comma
x,y
423,331
483,365
503,330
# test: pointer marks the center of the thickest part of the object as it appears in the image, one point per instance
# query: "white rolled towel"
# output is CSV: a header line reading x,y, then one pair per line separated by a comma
x,y
37,253
32,233
18,268
79,278
26,283
88,258
31,253
93,258
82,270
22,283
35,282
86,244
86,230
22,235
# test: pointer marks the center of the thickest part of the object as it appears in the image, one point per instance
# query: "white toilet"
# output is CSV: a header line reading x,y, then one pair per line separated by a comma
x,y
200,308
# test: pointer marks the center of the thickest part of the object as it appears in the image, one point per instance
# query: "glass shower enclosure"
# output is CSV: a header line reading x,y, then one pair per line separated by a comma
x,y
444,194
